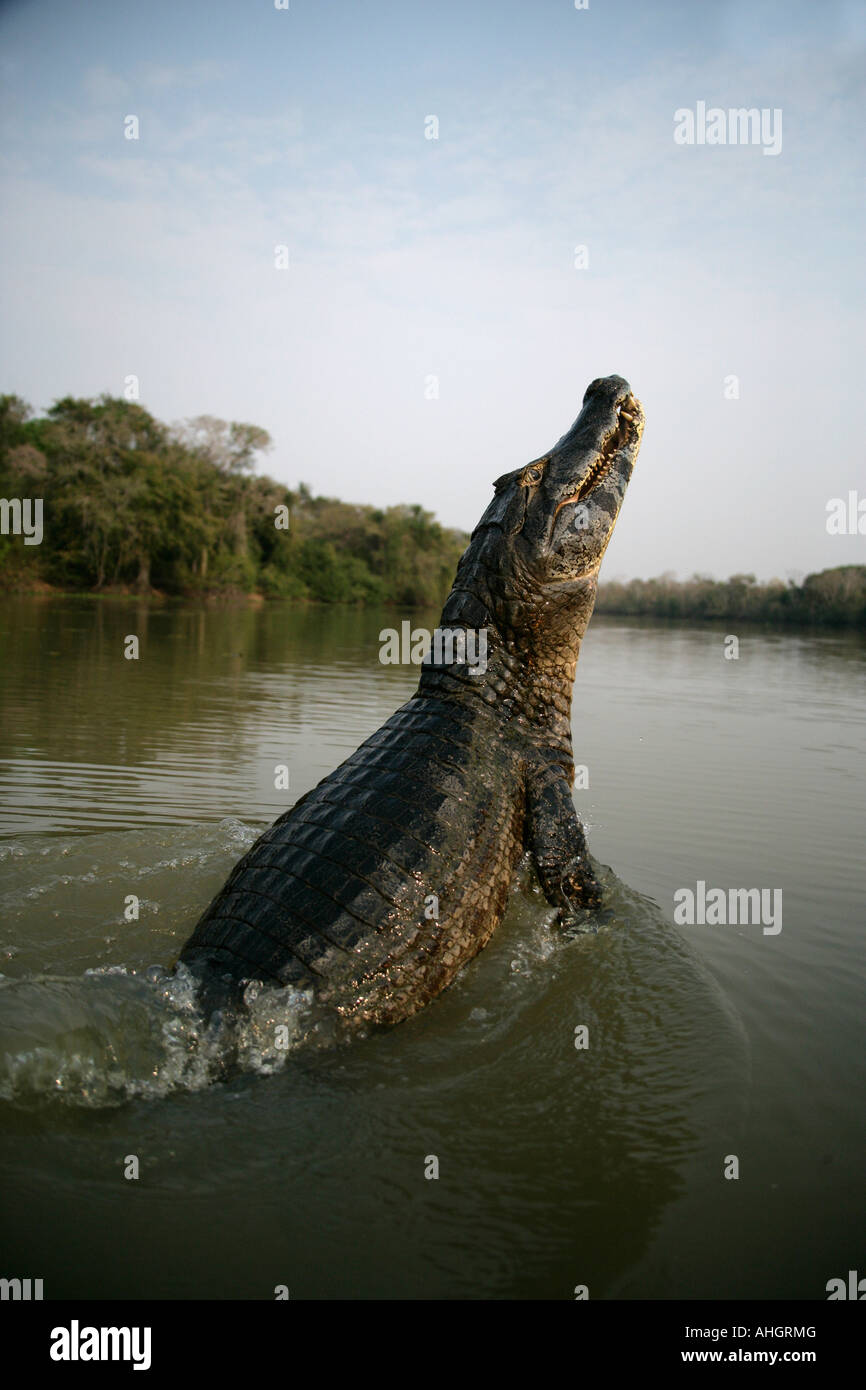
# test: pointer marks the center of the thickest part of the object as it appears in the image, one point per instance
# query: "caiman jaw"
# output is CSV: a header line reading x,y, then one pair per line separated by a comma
x,y
628,428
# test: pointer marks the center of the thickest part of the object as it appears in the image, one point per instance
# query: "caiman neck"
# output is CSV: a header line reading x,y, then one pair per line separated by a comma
x,y
530,665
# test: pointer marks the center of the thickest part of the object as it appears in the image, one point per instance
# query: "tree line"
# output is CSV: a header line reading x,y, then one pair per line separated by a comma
x,y
833,598
133,504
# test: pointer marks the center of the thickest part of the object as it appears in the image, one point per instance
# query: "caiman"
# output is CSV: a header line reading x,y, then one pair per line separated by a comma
x,y
385,879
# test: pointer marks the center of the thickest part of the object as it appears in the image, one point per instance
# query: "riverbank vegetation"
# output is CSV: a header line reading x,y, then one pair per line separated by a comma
x,y
137,506
832,598
132,504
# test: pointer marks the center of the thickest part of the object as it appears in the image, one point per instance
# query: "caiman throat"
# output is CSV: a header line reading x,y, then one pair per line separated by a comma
x,y
436,809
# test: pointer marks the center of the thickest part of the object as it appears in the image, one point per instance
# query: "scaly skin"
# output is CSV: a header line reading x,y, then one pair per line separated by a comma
x,y
443,800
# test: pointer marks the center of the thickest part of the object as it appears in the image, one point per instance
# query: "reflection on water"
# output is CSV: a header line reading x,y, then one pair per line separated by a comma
x,y
193,729
558,1166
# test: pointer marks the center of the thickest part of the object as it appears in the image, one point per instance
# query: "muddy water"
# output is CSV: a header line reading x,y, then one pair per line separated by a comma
x,y
558,1166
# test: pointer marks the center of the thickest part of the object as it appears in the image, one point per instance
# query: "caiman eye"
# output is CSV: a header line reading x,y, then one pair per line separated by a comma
x,y
533,475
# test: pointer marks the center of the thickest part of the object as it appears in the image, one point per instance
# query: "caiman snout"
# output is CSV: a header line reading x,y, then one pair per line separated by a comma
x,y
550,521
600,446
613,389
574,493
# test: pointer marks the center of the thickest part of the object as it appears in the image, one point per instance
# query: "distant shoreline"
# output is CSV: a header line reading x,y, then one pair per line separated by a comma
x,y
824,600
100,498
831,598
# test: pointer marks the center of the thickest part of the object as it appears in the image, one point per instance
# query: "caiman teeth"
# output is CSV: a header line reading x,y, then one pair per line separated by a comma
x,y
609,449
589,480
600,466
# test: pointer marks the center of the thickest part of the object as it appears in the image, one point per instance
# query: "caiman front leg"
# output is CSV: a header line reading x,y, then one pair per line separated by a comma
x,y
555,837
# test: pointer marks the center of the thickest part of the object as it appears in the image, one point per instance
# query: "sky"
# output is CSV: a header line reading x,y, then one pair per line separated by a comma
x,y
434,326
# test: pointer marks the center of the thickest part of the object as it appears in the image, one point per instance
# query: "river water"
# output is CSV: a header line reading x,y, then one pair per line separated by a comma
x,y
712,1048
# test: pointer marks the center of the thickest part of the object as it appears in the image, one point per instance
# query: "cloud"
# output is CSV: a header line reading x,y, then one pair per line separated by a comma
x,y
104,88
197,74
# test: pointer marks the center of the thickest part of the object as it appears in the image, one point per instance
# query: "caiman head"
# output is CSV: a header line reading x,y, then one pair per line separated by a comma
x,y
529,573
